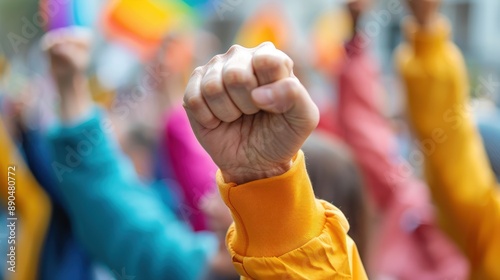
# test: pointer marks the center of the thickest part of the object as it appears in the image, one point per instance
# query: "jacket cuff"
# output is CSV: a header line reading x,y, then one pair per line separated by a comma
x,y
275,215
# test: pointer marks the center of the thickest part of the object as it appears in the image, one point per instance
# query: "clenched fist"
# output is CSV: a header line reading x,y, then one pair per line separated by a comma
x,y
249,112
425,11
68,50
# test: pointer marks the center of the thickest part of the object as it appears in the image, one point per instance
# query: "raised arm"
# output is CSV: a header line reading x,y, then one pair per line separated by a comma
x,y
461,181
120,222
192,166
366,130
252,115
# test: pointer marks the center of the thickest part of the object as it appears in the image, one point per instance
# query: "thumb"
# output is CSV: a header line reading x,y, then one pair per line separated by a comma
x,y
288,97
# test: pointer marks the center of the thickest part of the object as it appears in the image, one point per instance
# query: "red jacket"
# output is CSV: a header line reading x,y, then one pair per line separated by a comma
x,y
410,244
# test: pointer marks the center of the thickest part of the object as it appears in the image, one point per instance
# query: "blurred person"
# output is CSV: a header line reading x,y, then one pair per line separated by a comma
x,y
252,115
181,157
121,223
335,178
24,199
62,256
192,167
30,206
409,243
129,230
456,166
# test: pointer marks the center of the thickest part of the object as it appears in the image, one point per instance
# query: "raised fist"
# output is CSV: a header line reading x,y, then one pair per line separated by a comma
x,y
69,52
424,11
357,8
249,112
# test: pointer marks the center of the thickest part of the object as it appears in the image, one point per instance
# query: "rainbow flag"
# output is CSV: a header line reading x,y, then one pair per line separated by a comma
x,y
59,14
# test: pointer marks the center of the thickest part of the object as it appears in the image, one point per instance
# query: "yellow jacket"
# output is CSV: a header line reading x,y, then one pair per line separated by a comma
x,y
461,181
32,210
281,231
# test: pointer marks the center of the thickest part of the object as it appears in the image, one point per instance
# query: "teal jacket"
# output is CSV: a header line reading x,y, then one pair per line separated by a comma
x,y
122,223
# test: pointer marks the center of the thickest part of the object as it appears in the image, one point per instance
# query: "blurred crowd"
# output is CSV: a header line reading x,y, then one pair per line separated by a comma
x,y
140,201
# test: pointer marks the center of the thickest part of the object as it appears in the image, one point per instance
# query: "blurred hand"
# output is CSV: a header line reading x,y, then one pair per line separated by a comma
x,y
357,8
69,54
250,112
425,11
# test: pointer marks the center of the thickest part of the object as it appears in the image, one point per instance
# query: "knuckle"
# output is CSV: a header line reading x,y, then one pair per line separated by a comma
x,y
216,59
288,61
267,62
193,102
197,71
267,44
234,49
234,76
212,88
291,86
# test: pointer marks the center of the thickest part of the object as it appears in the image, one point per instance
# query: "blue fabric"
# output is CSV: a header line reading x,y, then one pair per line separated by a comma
x,y
120,222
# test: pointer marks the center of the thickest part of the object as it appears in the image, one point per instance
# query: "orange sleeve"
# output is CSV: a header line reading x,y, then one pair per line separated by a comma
x,y
462,183
281,229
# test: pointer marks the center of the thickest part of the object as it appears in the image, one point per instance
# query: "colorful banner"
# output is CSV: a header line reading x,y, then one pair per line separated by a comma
x,y
64,13
142,24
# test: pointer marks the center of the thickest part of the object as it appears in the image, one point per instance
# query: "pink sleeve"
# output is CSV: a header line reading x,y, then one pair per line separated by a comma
x,y
191,165
365,129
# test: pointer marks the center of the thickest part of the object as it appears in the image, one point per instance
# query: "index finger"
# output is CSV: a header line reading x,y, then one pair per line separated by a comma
x,y
195,105
271,64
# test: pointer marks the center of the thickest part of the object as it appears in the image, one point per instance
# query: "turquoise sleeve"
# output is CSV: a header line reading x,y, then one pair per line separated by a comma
x,y
120,222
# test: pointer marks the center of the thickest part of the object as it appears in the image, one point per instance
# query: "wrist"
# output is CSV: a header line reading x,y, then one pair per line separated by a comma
x,y
428,24
244,175
75,99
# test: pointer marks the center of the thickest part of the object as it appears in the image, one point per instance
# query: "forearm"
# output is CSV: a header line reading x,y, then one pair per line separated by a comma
x,y
75,98
193,167
363,126
457,169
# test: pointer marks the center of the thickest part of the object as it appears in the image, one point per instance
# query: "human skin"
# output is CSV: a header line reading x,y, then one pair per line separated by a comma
x,y
249,112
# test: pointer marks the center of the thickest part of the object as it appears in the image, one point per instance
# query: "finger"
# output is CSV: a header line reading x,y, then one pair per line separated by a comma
x,y
197,109
288,97
239,80
270,64
215,95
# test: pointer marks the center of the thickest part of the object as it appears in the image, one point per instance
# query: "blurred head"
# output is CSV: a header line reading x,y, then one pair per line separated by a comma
x,y
336,179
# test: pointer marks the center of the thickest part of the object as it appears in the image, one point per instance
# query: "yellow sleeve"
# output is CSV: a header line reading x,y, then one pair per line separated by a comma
x,y
32,211
461,181
280,229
